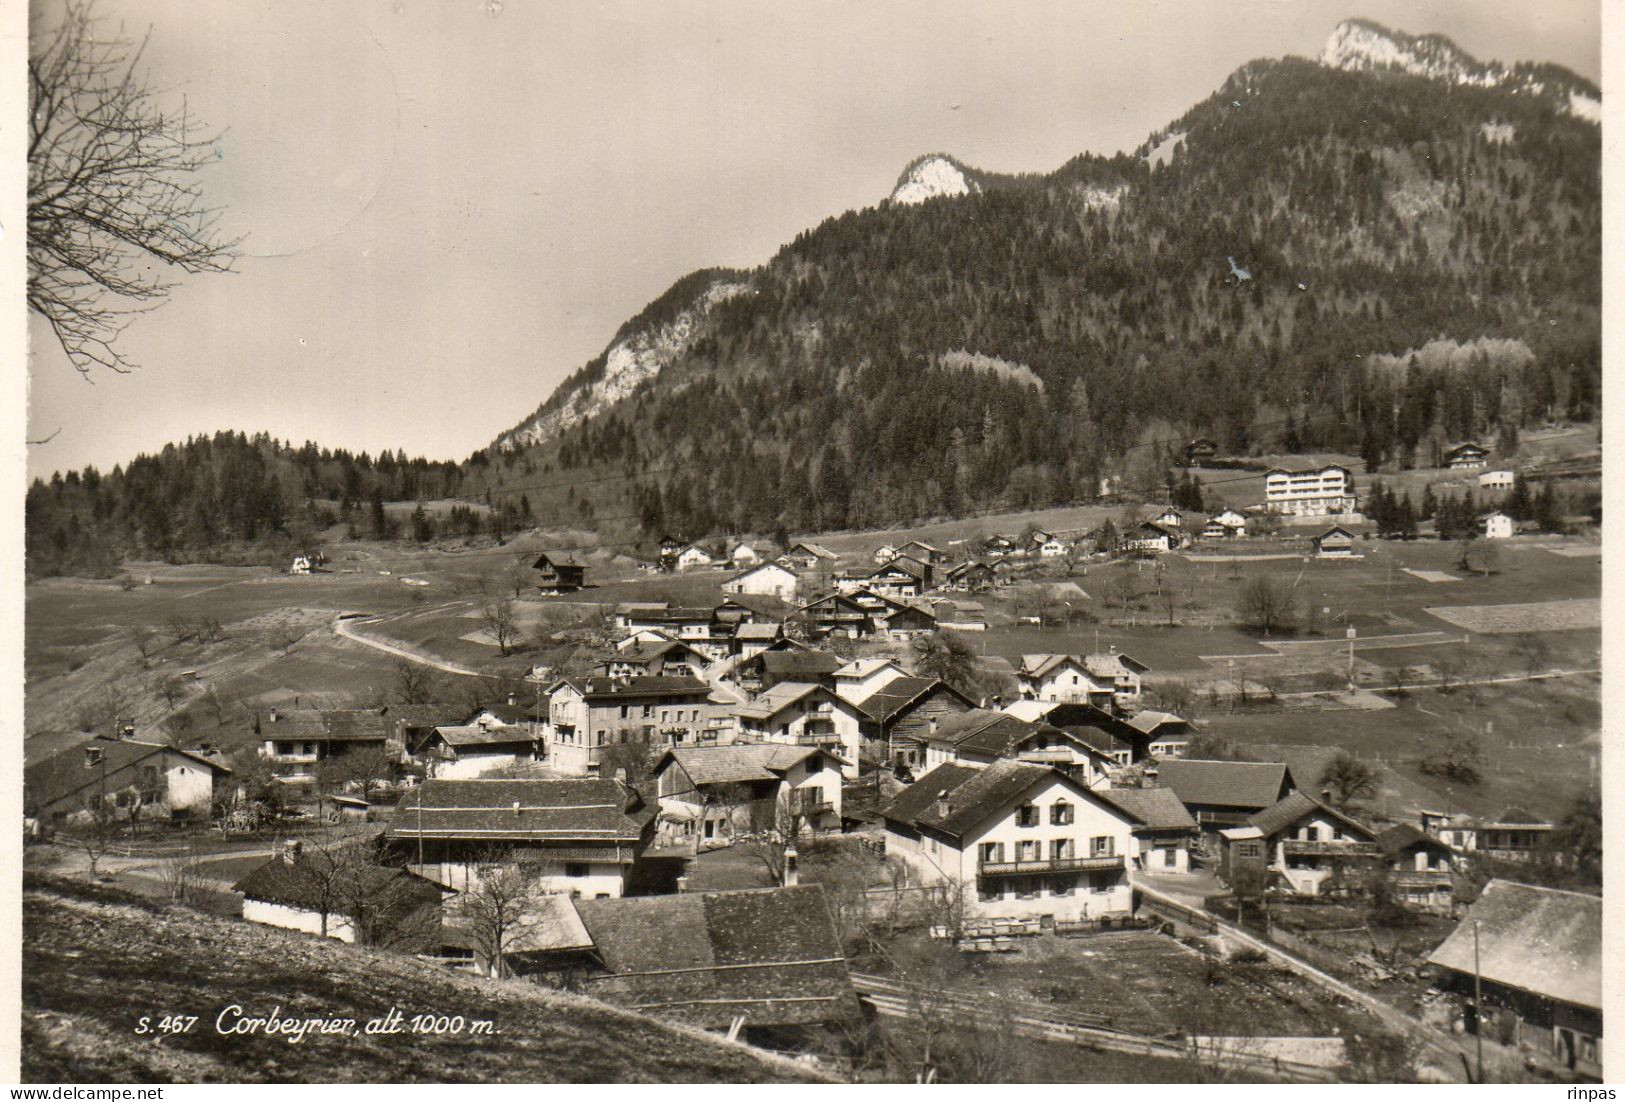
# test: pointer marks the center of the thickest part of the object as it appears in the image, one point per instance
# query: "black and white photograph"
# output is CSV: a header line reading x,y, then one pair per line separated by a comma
x,y
678,541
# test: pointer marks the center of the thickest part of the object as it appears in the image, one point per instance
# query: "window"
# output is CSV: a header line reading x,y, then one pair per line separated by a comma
x,y
1027,851
1060,814
993,851
1101,882
1311,834
1027,815
988,891
1027,887
576,869
1249,849
1060,849
648,711
1102,845
1062,886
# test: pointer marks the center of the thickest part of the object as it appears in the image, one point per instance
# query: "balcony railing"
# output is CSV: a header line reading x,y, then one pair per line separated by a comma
x,y
1053,864
1300,848
814,807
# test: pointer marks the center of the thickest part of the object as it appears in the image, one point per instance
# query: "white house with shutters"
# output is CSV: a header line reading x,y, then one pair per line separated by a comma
x,y
1022,840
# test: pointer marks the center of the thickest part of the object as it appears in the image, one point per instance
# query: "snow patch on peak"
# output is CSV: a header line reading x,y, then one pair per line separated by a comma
x,y
932,176
1357,45
628,363
1582,106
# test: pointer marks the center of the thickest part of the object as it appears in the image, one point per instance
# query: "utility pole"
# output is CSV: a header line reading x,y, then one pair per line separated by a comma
x,y
1478,1004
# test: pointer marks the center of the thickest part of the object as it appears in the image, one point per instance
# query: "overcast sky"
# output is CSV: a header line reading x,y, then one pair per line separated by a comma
x,y
451,205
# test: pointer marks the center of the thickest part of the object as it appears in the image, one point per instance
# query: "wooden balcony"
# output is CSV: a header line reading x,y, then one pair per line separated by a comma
x,y
1297,847
1052,864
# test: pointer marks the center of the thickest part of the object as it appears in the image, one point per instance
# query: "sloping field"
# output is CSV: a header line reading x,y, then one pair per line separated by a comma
x,y
1533,616
95,961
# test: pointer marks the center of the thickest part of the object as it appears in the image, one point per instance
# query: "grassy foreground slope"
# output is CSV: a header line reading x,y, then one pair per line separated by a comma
x,y
95,961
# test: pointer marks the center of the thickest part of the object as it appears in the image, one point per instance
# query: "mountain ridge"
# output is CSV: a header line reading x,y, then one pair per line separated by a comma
x,y
1357,46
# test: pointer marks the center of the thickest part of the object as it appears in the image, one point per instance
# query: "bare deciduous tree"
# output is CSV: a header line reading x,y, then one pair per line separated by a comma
x,y
490,907
113,197
1265,603
499,619
414,683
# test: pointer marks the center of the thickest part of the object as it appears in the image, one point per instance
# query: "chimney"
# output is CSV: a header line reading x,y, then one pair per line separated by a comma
x,y
933,725
294,850
791,875
516,807
943,807
93,756
682,884
273,715
512,700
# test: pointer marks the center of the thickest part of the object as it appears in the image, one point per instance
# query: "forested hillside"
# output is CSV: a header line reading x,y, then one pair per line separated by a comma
x,y
231,493
1371,262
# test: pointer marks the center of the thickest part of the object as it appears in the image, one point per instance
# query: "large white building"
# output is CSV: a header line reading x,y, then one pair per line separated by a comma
x,y
1021,839
1316,492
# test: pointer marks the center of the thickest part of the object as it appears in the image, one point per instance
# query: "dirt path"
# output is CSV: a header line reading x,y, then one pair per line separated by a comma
x,y
342,627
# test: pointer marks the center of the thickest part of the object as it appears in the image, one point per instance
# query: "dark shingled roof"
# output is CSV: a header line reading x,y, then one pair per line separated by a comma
x,y
786,663
311,723
296,883
1223,783
582,810
600,688
65,773
771,956
982,732
1283,813
1403,836
977,794
1153,808
886,702
1541,940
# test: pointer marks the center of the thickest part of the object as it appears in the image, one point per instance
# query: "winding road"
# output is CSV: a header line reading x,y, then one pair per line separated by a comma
x,y
342,627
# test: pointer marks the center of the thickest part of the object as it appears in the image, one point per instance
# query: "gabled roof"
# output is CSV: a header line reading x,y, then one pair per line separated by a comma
x,y
297,883
911,567
364,725
758,568
758,631
1402,836
64,773
739,763
1151,808
1297,806
423,716
1150,721
860,668
974,794
1113,664
1041,665
900,693
1238,784
580,810
769,956
1541,940
616,688
981,732
793,665
773,701
812,549
472,734
558,560
1334,530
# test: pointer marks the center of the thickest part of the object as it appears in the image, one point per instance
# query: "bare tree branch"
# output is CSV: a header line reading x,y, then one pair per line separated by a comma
x,y
112,195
